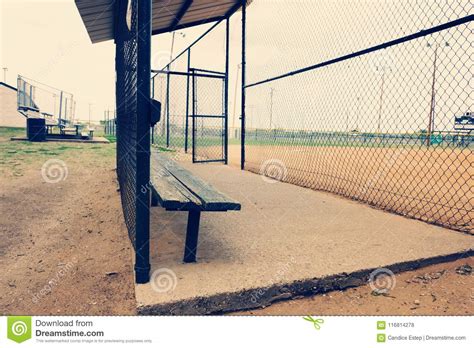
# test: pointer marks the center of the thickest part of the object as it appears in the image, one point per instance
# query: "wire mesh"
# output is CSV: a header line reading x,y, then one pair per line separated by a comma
x,y
382,127
126,97
109,123
208,118
172,86
170,89
132,61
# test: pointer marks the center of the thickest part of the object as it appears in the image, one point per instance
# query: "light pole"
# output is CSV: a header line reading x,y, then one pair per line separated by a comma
x,y
433,94
5,69
382,89
90,107
54,107
358,113
272,90
235,94
168,87
183,35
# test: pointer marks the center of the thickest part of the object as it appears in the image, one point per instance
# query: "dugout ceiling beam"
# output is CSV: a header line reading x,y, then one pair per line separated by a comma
x,y
99,15
182,11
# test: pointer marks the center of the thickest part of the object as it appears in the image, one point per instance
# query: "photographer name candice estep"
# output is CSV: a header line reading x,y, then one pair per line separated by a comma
x,y
425,338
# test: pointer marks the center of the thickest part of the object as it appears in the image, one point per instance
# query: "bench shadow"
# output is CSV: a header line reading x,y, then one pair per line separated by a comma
x,y
168,235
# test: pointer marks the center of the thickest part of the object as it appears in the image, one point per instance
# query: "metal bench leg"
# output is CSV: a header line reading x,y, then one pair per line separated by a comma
x,y
190,248
154,200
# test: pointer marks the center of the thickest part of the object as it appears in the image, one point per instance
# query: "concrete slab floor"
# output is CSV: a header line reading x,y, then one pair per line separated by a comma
x,y
286,241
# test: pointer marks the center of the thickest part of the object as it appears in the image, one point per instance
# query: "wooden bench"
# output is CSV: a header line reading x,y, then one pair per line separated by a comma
x,y
176,189
63,129
89,133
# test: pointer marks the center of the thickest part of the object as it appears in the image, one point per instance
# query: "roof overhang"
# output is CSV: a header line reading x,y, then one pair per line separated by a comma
x,y
168,15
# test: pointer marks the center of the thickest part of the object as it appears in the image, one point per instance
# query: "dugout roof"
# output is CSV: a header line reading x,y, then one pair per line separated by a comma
x,y
168,15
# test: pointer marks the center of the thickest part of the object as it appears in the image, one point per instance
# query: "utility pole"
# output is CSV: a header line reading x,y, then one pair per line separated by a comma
x,y
382,85
168,88
271,106
54,107
5,69
90,105
60,107
432,102
235,94
172,46
433,95
358,113
171,50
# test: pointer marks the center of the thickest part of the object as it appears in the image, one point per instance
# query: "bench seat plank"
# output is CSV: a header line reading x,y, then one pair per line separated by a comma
x,y
201,195
171,194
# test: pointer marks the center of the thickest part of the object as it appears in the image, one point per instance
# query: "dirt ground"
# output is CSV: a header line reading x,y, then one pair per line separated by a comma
x,y
443,289
430,184
64,248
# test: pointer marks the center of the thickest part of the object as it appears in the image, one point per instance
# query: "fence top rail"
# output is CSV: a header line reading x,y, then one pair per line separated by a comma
x,y
30,80
192,44
382,46
208,71
185,73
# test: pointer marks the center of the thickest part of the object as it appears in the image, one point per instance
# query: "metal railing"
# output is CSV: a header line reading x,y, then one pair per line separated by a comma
x,y
36,99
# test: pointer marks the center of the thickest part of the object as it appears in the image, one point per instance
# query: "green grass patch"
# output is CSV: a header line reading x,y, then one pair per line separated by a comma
x,y
111,138
17,156
163,149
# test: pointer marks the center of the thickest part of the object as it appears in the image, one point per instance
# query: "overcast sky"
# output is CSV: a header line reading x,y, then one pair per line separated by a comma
x,y
46,40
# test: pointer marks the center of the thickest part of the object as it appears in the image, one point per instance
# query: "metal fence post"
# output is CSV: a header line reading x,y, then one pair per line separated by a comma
x,y
193,87
242,130
168,108
153,96
142,244
60,106
226,93
187,104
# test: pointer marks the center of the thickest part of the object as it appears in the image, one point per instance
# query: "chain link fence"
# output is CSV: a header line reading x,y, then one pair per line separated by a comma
x,y
209,117
110,123
171,90
191,89
133,126
370,100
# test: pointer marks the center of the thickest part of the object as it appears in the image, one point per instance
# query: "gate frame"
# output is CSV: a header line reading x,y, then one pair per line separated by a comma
x,y
167,70
225,115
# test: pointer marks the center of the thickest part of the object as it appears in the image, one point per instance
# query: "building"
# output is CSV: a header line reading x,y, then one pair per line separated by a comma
x,y
9,115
